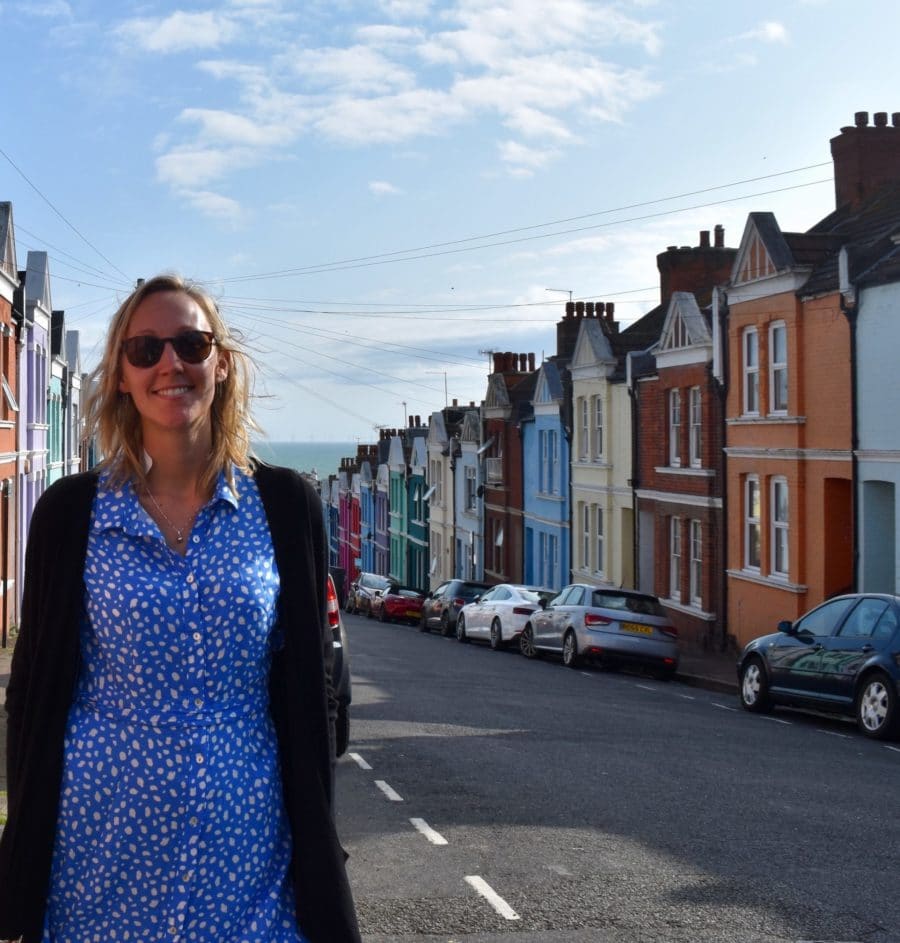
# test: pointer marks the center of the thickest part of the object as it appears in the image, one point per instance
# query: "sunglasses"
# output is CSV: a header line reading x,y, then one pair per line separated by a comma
x,y
190,346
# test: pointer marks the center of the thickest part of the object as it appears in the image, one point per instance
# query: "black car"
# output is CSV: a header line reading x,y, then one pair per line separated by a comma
x,y
842,657
363,590
340,671
441,607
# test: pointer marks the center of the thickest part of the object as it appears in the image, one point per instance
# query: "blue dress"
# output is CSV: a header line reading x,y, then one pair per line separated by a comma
x,y
172,824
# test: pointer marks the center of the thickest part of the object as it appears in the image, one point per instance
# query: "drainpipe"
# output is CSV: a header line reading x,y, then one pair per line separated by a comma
x,y
849,301
635,474
720,384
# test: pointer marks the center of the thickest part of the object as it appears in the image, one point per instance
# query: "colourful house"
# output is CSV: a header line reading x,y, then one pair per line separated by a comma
x,y
467,500
509,393
10,292
417,525
442,450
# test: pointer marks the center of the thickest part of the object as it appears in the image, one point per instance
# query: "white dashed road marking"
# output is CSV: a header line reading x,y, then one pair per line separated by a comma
x,y
724,707
560,870
834,733
895,749
687,697
491,896
776,720
434,837
645,687
360,762
386,789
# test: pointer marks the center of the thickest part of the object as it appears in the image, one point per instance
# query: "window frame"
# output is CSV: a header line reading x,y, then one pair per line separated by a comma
x,y
598,427
586,536
674,412
600,539
675,553
696,562
752,522
750,372
695,427
584,446
779,529
776,369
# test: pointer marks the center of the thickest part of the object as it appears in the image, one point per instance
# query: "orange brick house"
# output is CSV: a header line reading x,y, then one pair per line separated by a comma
x,y
789,407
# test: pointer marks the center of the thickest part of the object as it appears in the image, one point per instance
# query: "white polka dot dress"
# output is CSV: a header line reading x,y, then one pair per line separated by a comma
x,y
172,824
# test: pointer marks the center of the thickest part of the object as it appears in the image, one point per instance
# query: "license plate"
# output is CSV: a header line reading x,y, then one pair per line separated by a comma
x,y
637,627
412,614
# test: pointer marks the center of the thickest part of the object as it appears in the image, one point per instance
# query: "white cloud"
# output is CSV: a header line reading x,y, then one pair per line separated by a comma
x,y
187,166
531,122
179,31
229,128
525,159
358,68
769,32
214,205
406,9
48,10
383,188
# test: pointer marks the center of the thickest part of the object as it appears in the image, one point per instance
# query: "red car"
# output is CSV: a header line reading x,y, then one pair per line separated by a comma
x,y
398,604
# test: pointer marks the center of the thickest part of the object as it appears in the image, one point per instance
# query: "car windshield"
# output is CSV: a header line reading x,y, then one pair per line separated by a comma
x,y
535,595
471,590
643,605
403,591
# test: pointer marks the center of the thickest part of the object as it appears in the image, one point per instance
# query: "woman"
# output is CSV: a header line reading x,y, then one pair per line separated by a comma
x,y
170,713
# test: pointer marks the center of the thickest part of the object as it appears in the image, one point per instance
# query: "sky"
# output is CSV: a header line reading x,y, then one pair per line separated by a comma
x,y
381,193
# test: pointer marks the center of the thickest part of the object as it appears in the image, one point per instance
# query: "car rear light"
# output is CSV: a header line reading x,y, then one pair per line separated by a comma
x,y
334,615
592,618
669,630
459,601
669,662
522,610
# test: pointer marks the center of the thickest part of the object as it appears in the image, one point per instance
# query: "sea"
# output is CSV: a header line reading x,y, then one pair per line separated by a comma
x,y
323,458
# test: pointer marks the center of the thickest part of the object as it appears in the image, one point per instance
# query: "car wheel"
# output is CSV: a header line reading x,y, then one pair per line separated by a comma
x,y
381,616
876,707
423,623
754,691
461,629
497,643
526,643
570,650
342,730
445,624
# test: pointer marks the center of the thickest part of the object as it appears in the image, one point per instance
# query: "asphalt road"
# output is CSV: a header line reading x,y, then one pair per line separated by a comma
x,y
601,807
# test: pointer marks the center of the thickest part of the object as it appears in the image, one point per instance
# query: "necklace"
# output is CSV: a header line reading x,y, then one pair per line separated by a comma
x,y
179,531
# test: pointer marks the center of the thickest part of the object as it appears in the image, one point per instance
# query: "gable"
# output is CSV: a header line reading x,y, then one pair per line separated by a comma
x,y
497,394
7,241
471,427
763,252
592,346
548,389
685,325
37,281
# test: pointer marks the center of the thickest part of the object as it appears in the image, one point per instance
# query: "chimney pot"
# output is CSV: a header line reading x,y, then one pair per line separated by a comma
x,y
589,309
522,363
895,119
704,238
880,119
472,403
531,363
510,360
498,363
861,119
455,403
570,309
610,310
671,248
720,236
579,309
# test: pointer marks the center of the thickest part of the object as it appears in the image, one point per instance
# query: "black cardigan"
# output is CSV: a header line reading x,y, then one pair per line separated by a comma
x,y
45,669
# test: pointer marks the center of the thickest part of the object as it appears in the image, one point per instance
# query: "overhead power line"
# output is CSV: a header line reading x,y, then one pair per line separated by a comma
x,y
74,228
459,245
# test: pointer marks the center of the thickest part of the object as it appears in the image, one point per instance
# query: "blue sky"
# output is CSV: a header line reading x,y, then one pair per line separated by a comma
x,y
380,192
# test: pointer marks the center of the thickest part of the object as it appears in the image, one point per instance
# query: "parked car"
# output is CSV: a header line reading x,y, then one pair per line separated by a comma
x,y
340,670
363,590
398,604
842,657
615,626
441,607
500,614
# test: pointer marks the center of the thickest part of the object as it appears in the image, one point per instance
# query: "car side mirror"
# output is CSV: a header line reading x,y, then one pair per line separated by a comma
x,y
542,603
477,599
787,627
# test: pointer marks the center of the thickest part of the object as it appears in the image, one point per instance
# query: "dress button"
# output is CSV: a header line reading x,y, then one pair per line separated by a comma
x,y
193,821
197,636
196,539
198,702
199,758
190,577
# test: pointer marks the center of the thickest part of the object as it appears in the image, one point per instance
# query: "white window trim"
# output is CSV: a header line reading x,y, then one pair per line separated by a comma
x,y
598,427
586,536
775,366
675,428
778,527
696,564
748,371
675,555
584,446
695,427
599,518
750,521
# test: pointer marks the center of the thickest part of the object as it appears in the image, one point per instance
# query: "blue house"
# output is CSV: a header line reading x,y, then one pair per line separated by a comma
x,y
545,460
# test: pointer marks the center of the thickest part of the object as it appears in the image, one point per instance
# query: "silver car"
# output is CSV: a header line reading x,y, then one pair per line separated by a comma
x,y
616,626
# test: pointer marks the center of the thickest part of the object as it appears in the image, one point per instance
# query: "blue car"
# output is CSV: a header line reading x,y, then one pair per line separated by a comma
x,y
842,657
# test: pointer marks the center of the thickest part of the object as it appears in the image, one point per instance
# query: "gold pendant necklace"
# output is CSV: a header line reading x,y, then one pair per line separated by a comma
x,y
179,531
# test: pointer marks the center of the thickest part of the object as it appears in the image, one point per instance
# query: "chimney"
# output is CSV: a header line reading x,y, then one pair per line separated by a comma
x,y
720,236
531,363
498,363
695,270
865,157
704,238
455,402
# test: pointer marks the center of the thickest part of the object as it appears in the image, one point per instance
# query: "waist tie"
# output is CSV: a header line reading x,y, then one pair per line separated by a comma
x,y
161,715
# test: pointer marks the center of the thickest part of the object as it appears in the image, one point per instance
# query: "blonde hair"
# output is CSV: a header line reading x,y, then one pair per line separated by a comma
x,y
113,422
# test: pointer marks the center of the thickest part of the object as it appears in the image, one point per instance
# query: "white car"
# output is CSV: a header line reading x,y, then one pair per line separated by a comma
x,y
500,614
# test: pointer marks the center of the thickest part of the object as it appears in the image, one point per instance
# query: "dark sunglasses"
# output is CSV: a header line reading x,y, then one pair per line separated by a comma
x,y
190,346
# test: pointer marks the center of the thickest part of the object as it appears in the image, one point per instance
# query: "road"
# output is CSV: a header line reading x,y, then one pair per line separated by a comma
x,y
602,807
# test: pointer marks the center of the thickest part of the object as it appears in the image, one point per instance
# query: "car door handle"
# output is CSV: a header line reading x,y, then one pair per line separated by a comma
x,y
818,647
868,648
